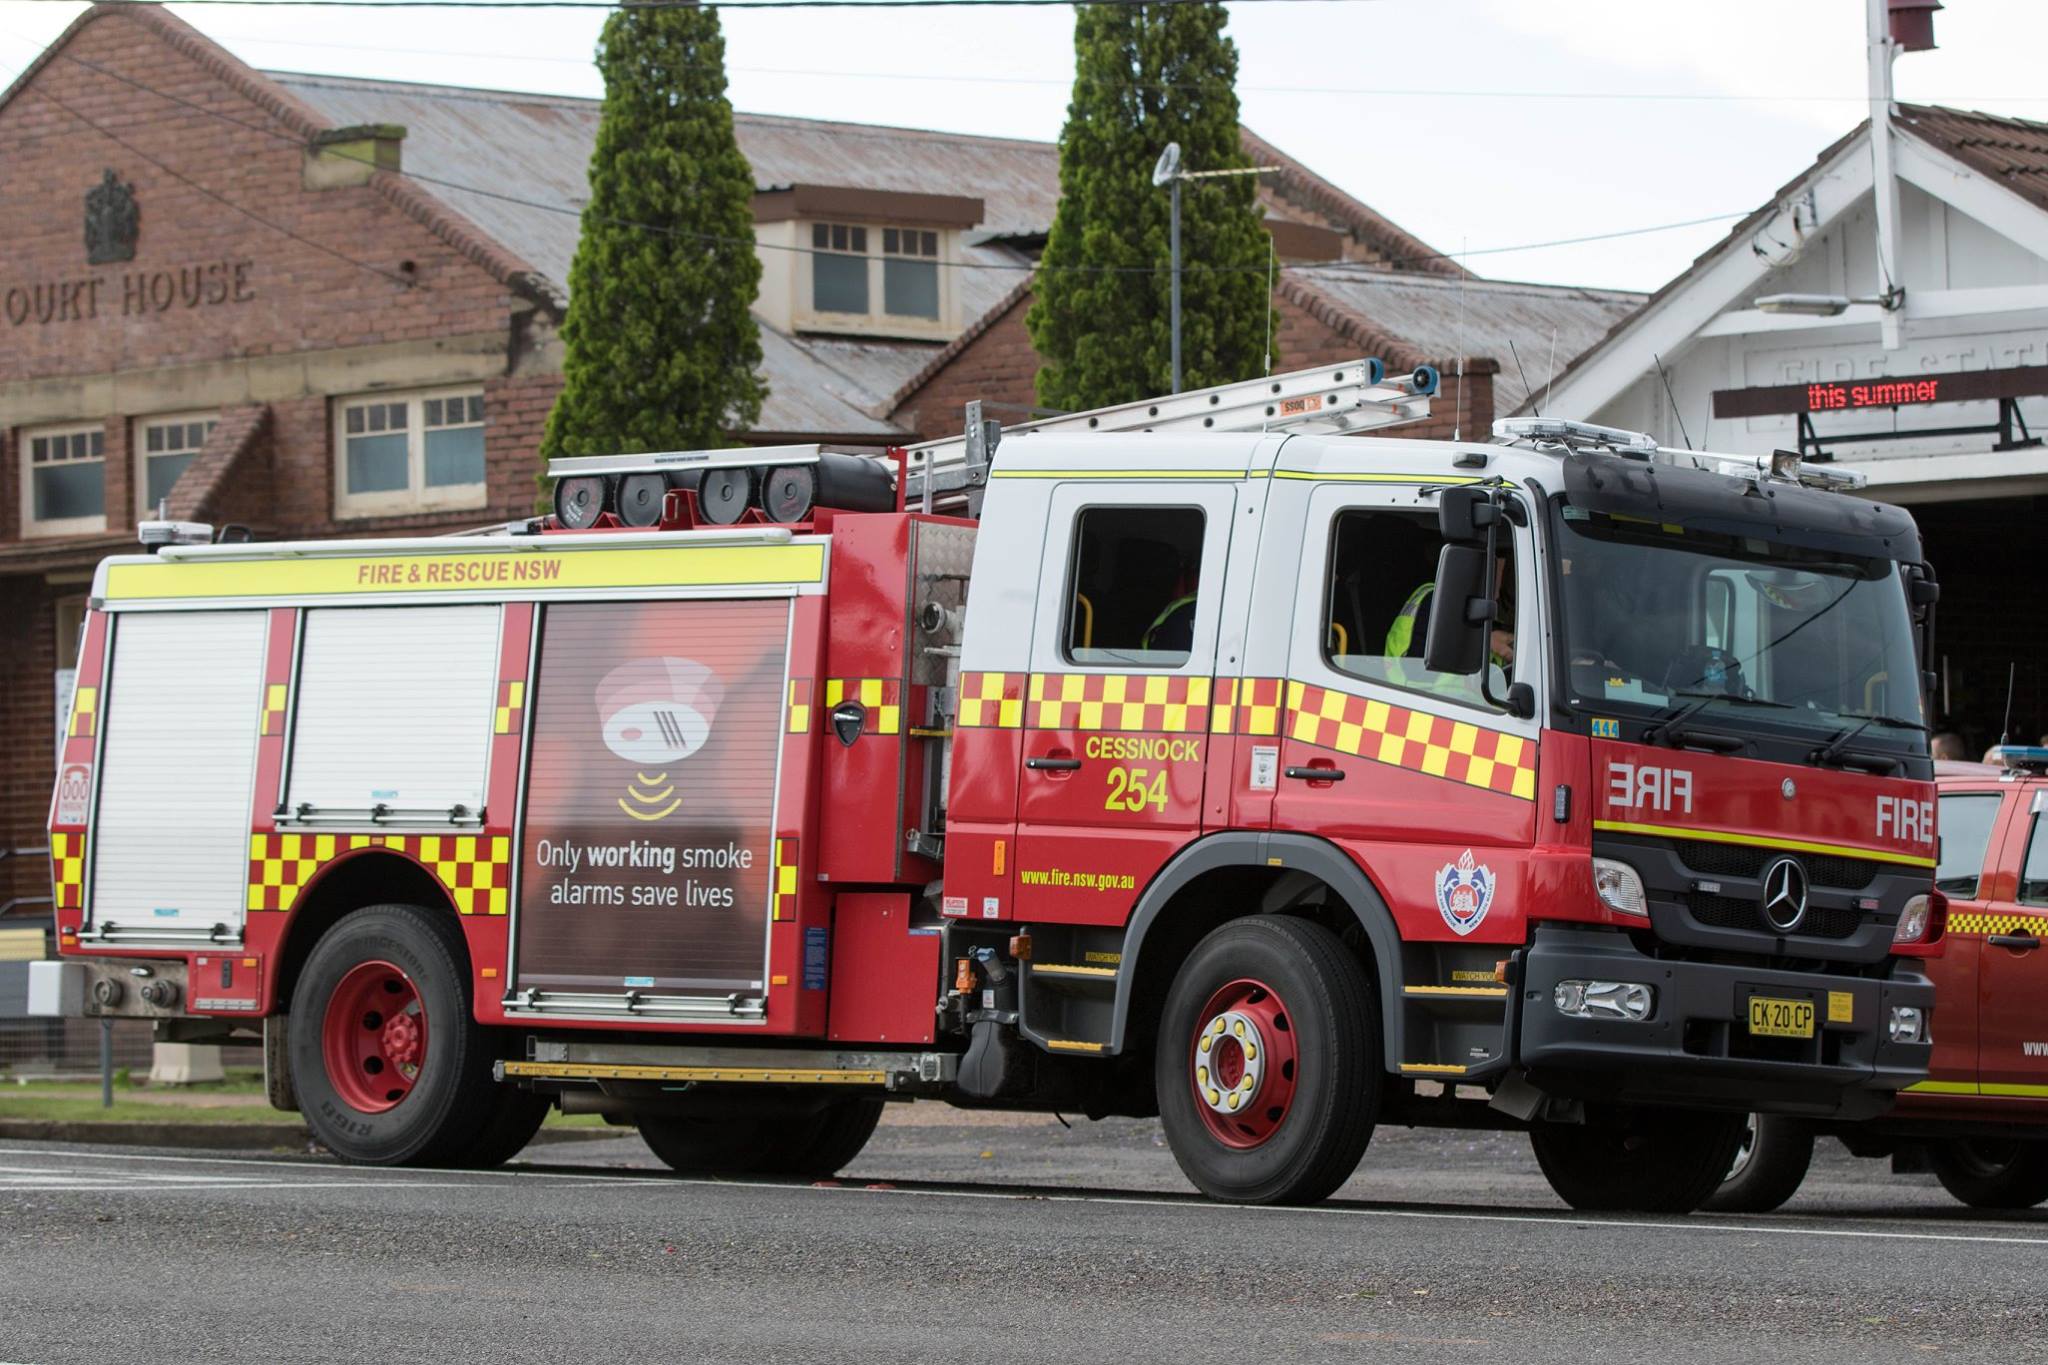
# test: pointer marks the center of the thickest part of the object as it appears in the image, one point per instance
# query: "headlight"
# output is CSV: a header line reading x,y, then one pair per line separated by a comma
x,y
1603,999
1619,887
1907,1024
1913,920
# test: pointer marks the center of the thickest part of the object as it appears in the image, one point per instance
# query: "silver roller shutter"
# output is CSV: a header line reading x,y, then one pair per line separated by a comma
x,y
171,836
395,708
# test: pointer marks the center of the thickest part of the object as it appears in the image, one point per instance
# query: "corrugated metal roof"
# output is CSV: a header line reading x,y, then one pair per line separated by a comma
x,y
1442,317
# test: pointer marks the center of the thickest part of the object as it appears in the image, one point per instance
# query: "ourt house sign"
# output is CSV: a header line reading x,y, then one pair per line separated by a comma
x,y
112,218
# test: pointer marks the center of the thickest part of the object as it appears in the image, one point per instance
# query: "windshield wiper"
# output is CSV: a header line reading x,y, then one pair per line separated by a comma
x,y
1672,728
1833,751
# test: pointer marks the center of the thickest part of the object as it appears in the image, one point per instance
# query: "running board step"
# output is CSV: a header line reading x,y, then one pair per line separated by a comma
x,y
588,1063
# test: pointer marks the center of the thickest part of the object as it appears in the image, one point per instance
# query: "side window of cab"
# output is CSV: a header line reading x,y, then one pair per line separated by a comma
x,y
1134,587
1966,820
1377,601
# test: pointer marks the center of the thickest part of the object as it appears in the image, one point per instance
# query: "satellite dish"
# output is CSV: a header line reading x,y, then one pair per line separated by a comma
x,y
1168,168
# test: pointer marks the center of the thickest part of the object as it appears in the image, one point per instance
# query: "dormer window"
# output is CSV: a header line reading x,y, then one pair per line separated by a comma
x,y
857,262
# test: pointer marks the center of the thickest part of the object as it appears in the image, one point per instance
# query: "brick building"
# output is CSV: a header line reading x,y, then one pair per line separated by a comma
x,y
322,306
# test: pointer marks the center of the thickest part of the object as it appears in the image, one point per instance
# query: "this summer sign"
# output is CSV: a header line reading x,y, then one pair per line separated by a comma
x,y
650,797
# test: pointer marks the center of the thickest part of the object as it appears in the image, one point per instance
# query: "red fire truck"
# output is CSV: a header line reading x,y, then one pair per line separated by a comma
x,y
1203,758
1979,1122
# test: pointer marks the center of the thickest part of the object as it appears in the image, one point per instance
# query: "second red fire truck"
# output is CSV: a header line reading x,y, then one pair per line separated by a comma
x,y
1204,758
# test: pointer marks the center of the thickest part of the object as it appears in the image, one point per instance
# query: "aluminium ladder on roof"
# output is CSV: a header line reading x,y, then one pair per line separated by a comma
x,y
1334,400
1331,400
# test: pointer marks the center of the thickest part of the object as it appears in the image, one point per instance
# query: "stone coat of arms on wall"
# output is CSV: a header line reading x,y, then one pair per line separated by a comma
x,y
112,219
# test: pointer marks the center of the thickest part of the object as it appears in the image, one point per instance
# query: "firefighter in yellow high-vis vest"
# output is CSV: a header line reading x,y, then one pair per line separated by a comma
x,y
1401,638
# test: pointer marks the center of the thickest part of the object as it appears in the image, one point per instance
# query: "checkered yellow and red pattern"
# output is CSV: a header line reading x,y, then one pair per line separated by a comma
x,y
1114,701
274,698
475,868
1247,706
784,906
882,697
1984,922
67,870
991,701
799,706
511,702
1416,740
84,708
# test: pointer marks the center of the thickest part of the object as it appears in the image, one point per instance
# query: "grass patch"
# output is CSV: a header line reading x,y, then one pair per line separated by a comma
x,y
81,1104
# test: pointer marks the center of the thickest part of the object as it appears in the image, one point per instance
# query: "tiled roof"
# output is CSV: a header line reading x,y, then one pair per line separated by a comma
x,y
2011,151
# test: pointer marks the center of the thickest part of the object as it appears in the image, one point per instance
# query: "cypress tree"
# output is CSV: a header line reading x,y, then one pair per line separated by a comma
x,y
1145,76
661,351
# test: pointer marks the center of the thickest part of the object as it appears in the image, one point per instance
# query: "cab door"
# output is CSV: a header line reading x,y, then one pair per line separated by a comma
x,y
1116,712
1971,823
2012,972
1431,788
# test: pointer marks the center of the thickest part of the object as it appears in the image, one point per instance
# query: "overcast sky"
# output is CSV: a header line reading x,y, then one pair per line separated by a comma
x,y
1475,124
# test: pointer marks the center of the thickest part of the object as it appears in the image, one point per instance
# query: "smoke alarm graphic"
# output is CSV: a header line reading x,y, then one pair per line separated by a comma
x,y
658,710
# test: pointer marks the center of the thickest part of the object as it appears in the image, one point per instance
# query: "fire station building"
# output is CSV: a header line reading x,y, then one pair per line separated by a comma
x,y
1929,374
315,306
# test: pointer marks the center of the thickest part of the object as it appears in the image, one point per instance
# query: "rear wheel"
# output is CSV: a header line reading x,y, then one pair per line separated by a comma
x,y
1268,1066
818,1144
391,1068
1644,1161
1989,1174
515,1116
1770,1165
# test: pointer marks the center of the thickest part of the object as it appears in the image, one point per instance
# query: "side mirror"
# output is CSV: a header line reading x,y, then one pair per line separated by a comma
x,y
1458,612
1922,590
1463,514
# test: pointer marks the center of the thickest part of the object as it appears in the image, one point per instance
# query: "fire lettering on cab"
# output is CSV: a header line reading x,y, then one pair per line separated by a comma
x,y
1904,819
1645,786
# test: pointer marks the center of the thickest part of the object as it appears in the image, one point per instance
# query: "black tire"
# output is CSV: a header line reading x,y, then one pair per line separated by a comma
x,y
1987,1174
713,1146
1640,1161
1325,999
1770,1165
826,1143
516,1115
815,1146
452,1098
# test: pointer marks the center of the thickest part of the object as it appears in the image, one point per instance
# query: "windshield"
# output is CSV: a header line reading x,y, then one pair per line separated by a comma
x,y
1737,633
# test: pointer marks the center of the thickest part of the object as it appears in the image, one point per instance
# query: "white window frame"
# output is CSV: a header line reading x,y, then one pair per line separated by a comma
x,y
59,526
875,321
416,496
138,444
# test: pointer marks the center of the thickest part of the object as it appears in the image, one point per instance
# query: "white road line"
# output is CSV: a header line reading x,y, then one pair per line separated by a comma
x,y
439,1180
101,1187
273,1163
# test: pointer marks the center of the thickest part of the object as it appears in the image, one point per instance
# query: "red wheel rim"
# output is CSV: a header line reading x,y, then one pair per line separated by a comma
x,y
1243,1064
374,1037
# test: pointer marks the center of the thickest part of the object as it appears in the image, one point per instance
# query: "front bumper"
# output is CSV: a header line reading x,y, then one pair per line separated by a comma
x,y
1695,1050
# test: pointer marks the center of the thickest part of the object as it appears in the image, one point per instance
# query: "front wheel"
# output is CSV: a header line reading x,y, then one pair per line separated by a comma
x,y
390,1066
1988,1174
1642,1161
1268,1066
1770,1165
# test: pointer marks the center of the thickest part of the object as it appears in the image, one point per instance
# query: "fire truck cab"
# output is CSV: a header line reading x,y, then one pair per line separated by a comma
x,y
1278,784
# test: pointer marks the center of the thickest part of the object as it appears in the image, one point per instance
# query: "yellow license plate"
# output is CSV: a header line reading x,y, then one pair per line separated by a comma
x,y
1770,1017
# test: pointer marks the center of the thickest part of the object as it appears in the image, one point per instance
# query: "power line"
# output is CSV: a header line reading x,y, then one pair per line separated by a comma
x,y
720,240
693,4
222,199
1859,98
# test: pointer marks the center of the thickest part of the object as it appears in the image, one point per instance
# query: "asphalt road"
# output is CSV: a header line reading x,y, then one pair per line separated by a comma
x,y
980,1240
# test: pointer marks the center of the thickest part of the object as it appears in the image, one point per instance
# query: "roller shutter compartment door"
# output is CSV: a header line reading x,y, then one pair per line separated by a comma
x,y
172,831
395,708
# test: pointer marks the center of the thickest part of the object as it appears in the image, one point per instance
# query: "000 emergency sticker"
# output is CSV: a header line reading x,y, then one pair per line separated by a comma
x,y
1265,767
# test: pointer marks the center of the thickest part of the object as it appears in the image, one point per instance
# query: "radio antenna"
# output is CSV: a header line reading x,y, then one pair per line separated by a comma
x,y
1522,372
2012,675
1677,416
1550,384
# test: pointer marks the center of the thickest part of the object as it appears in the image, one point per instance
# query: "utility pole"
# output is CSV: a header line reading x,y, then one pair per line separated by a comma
x,y
1879,51
1168,172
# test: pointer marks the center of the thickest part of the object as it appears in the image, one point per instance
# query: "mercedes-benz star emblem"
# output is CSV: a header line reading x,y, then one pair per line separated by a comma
x,y
1784,898
1788,789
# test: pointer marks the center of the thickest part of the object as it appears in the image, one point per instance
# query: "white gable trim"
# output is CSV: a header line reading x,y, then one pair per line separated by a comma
x,y
1976,196
1668,325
